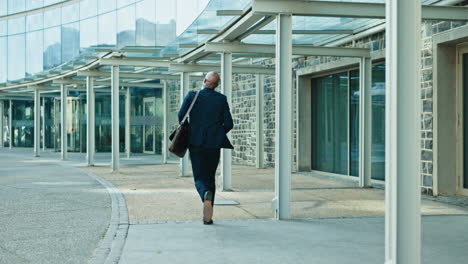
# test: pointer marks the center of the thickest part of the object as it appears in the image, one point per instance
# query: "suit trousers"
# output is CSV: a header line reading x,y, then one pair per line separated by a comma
x,y
204,164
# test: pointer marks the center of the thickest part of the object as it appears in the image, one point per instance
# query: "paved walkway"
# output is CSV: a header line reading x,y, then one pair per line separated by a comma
x,y
337,222
319,241
49,213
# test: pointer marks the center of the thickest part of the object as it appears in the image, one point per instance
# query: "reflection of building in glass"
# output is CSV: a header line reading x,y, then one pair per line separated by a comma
x,y
63,32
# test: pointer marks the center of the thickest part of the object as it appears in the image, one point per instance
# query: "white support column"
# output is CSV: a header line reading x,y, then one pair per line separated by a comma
x,y
184,89
90,121
259,114
226,87
2,142
63,115
115,118
283,116
37,122
10,123
128,102
403,182
365,122
43,112
165,143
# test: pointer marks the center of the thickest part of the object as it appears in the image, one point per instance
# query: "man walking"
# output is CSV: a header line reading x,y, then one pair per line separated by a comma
x,y
210,121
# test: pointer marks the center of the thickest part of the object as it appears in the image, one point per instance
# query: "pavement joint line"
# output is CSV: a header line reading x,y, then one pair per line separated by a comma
x,y
111,246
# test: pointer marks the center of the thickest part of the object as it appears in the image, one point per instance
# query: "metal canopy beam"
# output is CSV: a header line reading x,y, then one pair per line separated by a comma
x,y
133,62
229,12
297,50
184,89
350,9
232,32
97,83
402,131
226,89
131,75
217,67
63,117
308,32
37,123
283,117
91,121
115,161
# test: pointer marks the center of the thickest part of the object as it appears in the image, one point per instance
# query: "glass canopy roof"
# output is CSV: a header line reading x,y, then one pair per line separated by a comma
x,y
306,30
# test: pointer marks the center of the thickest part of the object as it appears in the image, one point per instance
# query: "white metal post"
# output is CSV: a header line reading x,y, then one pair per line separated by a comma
x,y
37,122
63,114
184,89
226,86
365,122
259,113
283,116
165,142
1,124
115,118
10,123
90,121
403,182
128,102
43,125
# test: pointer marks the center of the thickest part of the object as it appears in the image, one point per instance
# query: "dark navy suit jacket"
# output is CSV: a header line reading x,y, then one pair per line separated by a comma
x,y
210,119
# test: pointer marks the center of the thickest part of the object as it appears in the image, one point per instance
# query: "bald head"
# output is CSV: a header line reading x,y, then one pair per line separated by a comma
x,y
211,80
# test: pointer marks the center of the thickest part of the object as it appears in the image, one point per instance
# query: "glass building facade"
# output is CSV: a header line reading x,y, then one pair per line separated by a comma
x,y
57,33
335,123
50,33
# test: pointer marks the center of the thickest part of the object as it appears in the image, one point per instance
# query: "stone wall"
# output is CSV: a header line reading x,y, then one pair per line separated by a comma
x,y
244,102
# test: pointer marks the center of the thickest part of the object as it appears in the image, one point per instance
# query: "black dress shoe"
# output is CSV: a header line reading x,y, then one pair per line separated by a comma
x,y
208,222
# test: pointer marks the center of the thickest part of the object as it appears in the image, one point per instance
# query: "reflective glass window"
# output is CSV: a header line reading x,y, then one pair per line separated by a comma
x,y
126,26
15,6
88,8
33,4
354,97
16,25
3,59
107,29
166,26
106,5
378,122
50,2
88,37
145,23
3,28
3,7
34,22
34,47
52,17
70,13
332,96
121,3
70,41
330,123
52,47
16,57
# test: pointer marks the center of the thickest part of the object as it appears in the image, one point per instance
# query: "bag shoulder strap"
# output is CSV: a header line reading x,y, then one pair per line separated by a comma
x,y
190,108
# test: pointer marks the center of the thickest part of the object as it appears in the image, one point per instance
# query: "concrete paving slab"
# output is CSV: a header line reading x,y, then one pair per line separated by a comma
x,y
327,241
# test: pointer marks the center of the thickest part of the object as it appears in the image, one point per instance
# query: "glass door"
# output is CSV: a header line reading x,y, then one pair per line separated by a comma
x,y
463,119
149,129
